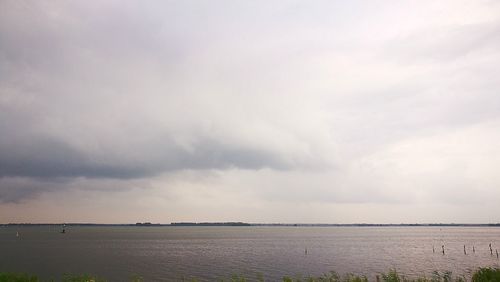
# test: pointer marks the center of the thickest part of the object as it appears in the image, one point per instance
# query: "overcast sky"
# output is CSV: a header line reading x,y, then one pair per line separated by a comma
x,y
256,111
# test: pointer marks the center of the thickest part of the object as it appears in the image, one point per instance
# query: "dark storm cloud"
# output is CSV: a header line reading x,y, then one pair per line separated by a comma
x,y
32,162
46,157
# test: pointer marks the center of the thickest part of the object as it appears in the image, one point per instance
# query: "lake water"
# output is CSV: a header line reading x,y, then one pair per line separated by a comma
x,y
208,253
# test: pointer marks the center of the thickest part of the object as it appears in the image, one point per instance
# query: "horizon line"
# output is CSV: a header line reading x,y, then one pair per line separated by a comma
x,y
240,223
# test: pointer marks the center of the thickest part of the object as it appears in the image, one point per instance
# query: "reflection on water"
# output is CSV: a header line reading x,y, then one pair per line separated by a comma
x,y
169,253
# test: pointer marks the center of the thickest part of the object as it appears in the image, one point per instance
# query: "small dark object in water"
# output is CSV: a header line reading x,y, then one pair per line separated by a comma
x,y
433,249
442,247
465,252
473,249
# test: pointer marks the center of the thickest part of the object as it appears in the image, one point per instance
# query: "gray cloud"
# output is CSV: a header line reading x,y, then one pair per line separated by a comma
x,y
38,156
12,190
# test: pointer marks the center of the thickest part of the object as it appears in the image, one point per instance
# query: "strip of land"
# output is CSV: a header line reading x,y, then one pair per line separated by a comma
x,y
484,274
262,224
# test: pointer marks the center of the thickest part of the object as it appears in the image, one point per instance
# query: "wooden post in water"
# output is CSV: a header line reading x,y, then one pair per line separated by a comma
x,y
442,247
473,249
491,250
433,249
465,252
497,252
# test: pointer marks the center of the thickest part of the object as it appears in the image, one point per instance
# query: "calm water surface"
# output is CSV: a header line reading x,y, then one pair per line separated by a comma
x,y
208,253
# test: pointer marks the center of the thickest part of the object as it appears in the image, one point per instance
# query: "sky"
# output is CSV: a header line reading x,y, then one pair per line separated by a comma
x,y
254,111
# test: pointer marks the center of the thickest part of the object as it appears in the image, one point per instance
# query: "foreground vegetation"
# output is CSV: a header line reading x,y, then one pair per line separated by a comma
x,y
485,274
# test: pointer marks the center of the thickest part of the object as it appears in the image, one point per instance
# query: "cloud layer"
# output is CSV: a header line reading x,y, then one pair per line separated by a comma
x,y
278,103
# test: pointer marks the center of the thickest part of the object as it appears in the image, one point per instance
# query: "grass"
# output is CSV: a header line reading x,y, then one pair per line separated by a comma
x,y
22,277
391,276
485,274
17,277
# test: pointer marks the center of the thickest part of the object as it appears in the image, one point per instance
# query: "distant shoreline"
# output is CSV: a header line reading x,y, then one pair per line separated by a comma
x,y
243,224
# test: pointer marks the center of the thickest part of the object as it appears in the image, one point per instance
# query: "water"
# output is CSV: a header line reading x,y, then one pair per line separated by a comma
x,y
208,253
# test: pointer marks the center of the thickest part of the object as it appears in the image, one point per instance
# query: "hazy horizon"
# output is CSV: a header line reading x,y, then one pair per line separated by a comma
x,y
221,223
253,111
